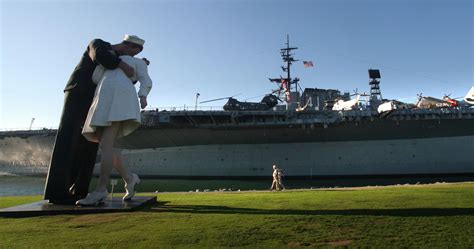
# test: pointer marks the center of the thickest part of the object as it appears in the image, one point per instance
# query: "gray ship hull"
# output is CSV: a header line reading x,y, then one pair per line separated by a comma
x,y
447,155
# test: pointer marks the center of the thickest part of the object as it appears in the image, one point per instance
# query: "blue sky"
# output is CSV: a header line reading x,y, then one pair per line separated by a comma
x,y
221,48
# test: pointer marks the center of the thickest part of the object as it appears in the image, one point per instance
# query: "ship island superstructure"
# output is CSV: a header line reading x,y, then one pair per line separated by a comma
x,y
316,133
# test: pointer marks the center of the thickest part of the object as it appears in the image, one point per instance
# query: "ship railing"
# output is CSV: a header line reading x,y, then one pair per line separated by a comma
x,y
185,108
356,113
460,112
437,111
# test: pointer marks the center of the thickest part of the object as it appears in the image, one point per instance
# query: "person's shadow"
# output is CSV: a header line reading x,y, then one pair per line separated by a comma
x,y
208,209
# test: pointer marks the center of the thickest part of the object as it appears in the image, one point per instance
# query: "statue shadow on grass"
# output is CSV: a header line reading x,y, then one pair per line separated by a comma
x,y
408,212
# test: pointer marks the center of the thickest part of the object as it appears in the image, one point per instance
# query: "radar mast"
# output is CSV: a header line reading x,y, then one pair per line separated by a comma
x,y
288,85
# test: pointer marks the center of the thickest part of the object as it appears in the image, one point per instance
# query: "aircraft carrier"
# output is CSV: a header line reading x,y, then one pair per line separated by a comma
x,y
316,133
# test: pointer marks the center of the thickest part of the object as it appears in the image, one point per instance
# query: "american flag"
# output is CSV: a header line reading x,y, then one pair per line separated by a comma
x,y
307,63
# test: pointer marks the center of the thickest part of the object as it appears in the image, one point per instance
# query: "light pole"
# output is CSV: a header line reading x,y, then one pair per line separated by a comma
x,y
196,103
31,123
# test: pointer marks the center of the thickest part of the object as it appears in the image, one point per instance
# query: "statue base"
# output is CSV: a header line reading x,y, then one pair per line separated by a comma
x,y
112,204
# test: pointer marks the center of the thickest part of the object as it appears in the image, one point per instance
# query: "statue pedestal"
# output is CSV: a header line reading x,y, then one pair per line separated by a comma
x,y
41,208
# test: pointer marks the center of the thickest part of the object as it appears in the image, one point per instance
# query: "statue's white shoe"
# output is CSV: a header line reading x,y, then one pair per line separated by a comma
x,y
130,187
93,199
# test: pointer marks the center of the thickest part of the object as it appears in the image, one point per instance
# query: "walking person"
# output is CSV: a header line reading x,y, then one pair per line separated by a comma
x,y
280,179
275,184
73,157
115,113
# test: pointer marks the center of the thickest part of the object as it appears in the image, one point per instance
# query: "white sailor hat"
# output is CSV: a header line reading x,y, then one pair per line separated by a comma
x,y
134,39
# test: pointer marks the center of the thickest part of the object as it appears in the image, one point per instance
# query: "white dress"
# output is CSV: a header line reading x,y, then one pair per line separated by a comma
x,y
116,100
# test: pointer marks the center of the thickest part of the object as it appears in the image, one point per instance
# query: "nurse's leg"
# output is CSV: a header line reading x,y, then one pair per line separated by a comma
x,y
107,146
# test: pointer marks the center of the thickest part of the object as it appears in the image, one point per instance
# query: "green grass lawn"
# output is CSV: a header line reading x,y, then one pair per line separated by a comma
x,y
426,216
